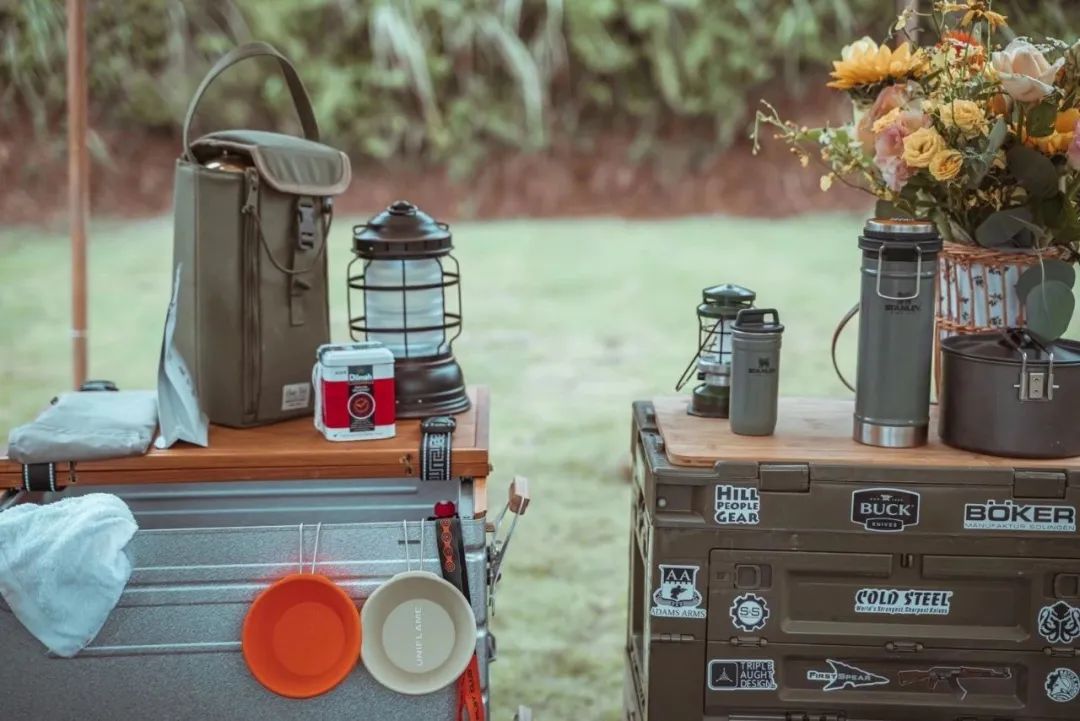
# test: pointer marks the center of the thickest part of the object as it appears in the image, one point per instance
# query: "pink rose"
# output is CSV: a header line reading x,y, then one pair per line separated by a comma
x,y
889,99
1025,72
1074,148
889,149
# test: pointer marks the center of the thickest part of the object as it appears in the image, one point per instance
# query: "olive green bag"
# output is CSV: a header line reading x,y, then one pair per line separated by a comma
x,y
252,212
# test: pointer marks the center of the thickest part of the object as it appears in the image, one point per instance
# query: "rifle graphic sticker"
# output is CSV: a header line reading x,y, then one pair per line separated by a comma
x,y
843,675
951,676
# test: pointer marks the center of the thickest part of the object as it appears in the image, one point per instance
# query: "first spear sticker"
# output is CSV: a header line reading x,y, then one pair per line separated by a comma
x,y
677,596
885,510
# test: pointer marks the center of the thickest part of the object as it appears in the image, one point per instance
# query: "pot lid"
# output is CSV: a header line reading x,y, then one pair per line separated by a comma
x,y
1008,346
725,300
402,230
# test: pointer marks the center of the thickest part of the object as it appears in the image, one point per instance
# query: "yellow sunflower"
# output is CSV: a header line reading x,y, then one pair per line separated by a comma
x,y
976,10
867,63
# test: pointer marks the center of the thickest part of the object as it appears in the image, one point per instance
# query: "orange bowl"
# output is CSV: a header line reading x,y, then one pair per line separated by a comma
x,y
302,636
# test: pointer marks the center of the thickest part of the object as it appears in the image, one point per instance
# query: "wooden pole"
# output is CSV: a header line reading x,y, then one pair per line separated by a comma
x,y
78,179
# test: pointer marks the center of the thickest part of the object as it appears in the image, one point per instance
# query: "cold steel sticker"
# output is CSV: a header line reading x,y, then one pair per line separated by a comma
x,y
727,674
1009,516
1060,623
843,675
885,510
903,602
737,506
1062,685
749,612
677,596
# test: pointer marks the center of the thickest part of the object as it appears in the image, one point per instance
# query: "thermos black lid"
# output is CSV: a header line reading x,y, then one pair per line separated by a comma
x,y
900,232
755,320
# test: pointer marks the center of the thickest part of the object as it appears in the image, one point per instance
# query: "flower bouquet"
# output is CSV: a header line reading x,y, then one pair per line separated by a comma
x,y
980,136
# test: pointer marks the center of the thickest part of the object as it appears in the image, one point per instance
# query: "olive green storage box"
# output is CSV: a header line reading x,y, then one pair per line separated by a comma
x,y
252,213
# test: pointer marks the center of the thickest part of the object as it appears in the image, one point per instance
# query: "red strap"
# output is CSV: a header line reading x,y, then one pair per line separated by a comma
x,y
470,695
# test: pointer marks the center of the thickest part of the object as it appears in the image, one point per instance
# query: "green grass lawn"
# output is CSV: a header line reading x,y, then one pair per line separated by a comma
x,y
567,321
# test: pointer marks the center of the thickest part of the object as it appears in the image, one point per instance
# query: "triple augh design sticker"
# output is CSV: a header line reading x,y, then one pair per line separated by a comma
x,y
738,506
885,510
728,674
749,612
1059,623
677,596
1009,516
903,602
843,675
1062,685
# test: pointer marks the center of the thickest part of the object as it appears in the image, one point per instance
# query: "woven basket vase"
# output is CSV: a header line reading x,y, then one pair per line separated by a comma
x,y
977,290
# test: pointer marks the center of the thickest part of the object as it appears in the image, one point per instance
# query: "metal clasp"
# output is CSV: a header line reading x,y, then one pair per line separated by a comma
x,y
880,273
517,505
1036,385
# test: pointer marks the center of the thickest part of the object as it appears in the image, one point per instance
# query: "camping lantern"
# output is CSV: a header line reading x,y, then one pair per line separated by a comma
x,y
411,300
719,307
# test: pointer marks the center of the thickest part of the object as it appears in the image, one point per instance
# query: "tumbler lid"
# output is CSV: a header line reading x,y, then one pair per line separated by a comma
x,y
900,232
758,320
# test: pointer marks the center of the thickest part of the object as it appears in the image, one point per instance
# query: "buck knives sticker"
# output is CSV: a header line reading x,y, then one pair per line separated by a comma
x,y
903,602
737,506
730,674
749,612
1060,623
677,596
1062,685
885,510
1010,516
842,675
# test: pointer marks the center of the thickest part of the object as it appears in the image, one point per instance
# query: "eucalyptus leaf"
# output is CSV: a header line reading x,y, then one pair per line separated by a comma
x,y
1046,269
980,165
1049,310
1036,172
1041,119
1006,228
998,134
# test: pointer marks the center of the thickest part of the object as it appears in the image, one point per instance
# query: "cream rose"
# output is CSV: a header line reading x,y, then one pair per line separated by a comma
x,y
1025,72
946,165
966,116
921,146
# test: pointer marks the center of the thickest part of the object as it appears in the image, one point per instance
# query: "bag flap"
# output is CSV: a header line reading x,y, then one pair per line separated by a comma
x,y
287,163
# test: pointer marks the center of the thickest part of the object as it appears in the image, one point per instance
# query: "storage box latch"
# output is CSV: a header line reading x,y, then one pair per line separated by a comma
x,y
1039,484
785,478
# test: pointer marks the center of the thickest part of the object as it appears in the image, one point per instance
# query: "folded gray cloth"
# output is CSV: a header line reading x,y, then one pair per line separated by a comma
x,y
87,426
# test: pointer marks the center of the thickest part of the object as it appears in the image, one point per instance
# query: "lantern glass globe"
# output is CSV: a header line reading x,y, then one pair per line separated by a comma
x,y
420,305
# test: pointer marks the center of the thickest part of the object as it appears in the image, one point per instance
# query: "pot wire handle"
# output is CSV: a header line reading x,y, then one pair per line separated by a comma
x,y
836,340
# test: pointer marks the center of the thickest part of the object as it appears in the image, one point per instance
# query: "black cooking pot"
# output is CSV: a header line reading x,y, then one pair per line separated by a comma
x,y
1005,394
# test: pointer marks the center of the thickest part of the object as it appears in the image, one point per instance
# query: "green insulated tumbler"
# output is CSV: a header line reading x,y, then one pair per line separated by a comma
x,y
896,332
755,371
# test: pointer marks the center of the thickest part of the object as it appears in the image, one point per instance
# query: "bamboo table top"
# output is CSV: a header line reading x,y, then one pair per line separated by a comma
x,y
811,431
291,450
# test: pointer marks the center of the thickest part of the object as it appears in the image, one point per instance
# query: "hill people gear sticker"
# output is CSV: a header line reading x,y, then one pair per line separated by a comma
x,y
842,675
677,596
903,602
737,506
1062,685
1010,516
1060,623
885,510
749,612
728,674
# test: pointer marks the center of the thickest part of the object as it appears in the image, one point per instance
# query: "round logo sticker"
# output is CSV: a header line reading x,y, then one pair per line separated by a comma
x,y
361,406
1062,685
749,612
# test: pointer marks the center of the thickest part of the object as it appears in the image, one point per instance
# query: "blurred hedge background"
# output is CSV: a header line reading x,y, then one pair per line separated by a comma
x,y
443,82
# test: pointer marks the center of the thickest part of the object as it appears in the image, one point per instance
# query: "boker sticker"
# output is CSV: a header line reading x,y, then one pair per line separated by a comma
x,y
1062,685
677,596
843,675
749,612
903,601
737,505
1059,623
1010,516
740,674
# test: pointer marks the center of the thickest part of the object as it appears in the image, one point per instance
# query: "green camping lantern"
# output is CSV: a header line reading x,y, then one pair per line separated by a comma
x,y
719,307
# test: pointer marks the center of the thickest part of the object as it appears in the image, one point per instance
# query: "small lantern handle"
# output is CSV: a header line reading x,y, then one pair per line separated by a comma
x,y
685,377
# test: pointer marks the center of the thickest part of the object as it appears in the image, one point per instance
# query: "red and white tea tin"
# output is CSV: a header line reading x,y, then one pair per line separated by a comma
x,y
354,391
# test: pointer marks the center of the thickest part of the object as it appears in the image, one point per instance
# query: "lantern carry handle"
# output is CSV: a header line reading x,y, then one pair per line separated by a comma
x,y
685,377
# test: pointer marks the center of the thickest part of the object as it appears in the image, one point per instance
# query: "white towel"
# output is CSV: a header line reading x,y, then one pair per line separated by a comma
x,y
63,566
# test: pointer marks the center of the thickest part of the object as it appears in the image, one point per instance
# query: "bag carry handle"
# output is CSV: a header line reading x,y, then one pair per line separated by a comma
x,y
292,79
836,339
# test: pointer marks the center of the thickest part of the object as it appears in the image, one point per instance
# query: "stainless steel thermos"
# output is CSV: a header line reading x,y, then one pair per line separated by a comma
x,y
896,332
755,371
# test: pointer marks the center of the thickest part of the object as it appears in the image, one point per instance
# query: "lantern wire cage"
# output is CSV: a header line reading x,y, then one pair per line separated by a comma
x,y
706,334
450,328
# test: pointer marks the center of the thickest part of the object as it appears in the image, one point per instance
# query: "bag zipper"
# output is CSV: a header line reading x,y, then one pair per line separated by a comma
x,y
250,355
